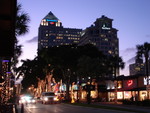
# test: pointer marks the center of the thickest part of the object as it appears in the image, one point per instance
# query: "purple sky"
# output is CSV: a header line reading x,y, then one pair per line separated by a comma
x,y
131,18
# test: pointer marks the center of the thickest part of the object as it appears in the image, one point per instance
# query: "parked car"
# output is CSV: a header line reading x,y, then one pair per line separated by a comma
x,y
49,97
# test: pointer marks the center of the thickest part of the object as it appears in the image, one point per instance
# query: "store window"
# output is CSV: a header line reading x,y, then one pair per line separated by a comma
x,y
127,94
119,95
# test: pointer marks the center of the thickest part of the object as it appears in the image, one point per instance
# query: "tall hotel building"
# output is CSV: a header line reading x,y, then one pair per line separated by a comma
x,y
52,33
103,36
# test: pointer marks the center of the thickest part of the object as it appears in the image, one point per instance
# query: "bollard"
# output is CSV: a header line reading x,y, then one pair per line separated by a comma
x,y
22,108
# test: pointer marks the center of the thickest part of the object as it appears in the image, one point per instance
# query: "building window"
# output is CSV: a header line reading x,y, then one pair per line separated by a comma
x,y
106,39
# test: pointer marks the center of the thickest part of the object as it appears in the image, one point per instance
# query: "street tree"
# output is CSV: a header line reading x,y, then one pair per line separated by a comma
x,y
90,68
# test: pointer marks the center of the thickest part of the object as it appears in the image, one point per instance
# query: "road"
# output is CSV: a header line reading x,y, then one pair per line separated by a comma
x,y
65,108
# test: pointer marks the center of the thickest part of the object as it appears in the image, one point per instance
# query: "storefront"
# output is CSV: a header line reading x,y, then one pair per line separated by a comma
x,y
132,88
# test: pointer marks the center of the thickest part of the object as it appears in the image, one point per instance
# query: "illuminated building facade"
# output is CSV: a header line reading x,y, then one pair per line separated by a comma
x,y
52,33
102,35
129,87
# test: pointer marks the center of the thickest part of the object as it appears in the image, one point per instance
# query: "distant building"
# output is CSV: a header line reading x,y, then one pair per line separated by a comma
x,y
103,36
52,33
138,68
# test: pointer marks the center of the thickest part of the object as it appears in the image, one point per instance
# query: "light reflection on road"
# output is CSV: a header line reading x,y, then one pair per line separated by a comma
x,y
65,108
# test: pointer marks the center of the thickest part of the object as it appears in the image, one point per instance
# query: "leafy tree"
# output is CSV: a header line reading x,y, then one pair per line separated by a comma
x,y
90,68
63,60
30,70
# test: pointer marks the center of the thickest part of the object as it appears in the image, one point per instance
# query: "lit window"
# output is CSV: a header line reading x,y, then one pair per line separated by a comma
x,y
110,52
106,39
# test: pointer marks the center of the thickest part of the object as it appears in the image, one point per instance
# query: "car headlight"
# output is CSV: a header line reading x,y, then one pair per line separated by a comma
x,y
22,101
55,99
28,101
33,101
46,99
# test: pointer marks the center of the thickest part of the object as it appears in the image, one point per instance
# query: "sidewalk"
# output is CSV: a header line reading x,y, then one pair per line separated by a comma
x,y
120,105
8,108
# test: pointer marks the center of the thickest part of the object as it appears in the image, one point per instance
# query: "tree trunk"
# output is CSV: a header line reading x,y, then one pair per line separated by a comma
x,y
89,92
67,91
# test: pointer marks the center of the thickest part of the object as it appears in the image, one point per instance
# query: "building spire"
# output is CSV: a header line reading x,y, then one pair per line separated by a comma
x,y
51,16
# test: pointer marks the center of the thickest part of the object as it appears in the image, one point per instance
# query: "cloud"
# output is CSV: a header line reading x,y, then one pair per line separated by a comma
x,y
128,52
34,39
129,55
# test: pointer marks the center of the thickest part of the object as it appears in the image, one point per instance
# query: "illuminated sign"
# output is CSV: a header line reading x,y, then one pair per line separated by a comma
x,y
145,80
75,87
104,27
51,20
129,83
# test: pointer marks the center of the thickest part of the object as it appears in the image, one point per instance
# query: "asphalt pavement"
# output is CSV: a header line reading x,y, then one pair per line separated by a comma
x,y
120,105
22,109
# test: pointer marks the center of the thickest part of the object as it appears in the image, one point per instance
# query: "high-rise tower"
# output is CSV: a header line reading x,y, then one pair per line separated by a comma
x,y
52,33
103,36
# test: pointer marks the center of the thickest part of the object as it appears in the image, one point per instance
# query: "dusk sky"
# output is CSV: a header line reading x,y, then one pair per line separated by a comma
x,y
130,17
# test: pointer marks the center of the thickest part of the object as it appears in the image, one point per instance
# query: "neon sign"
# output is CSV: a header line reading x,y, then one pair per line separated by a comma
x,y
129,83
51,20
104,27
146,80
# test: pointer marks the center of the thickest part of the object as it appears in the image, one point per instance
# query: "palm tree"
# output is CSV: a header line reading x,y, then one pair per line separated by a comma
x,y
21,28
144,51
22,20
115,63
